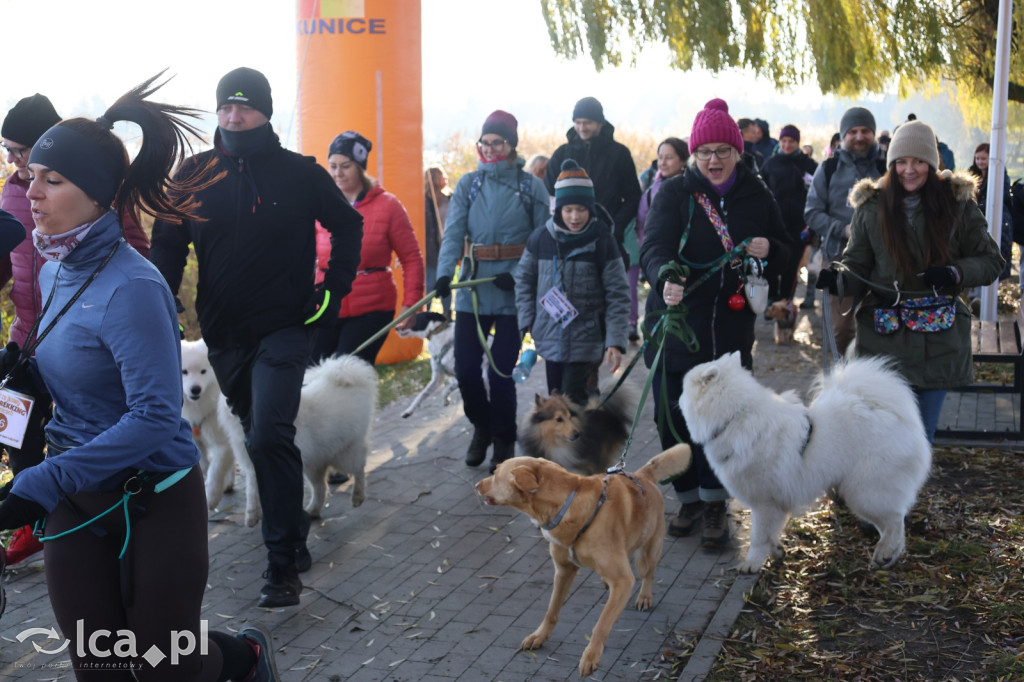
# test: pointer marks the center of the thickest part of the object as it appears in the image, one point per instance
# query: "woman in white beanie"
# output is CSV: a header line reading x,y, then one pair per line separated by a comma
x,y
919,231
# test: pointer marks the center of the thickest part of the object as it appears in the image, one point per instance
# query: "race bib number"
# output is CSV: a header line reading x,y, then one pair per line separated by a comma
x,y
558,306
14,410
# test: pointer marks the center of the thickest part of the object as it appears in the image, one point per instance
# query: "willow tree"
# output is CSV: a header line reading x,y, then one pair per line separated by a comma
x,y
847,47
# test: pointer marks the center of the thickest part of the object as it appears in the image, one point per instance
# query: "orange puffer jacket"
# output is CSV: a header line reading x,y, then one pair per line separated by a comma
x,y
386,230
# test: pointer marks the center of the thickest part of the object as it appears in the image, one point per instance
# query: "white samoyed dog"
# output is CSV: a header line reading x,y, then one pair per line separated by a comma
x,y
332,431
861,435
201,407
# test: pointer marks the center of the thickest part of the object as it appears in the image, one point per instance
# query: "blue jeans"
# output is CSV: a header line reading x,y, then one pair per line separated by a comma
x,y
930,403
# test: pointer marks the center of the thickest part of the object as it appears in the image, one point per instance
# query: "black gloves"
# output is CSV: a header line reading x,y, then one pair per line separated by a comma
x,y
505,281
322,307
828,279
941,276
17,512
443,287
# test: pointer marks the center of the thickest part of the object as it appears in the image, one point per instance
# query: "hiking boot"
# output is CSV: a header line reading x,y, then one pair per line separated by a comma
x,y
716,525
260,640
303,560
23,545
686,520
282,588
503,449
477,452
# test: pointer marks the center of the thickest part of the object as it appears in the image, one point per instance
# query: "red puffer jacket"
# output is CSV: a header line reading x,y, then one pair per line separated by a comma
x,y
386,229
24,262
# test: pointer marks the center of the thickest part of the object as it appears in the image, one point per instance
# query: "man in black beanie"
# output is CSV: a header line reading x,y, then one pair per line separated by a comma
x,y
256,301
609,164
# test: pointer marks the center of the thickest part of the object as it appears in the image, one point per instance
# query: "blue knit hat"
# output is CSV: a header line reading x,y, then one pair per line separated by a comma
x,y
574,186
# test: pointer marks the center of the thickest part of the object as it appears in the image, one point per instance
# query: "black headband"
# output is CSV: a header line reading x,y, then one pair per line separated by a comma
x,y
81,161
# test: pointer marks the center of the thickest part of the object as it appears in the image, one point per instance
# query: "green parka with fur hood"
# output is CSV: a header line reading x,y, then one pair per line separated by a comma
x,y
928,360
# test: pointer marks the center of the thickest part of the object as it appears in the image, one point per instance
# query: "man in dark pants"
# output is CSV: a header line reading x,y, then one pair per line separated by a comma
x,y
255,300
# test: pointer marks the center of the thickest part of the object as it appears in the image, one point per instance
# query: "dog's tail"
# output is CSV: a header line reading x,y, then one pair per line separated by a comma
x,y
345,371
669,464
621,405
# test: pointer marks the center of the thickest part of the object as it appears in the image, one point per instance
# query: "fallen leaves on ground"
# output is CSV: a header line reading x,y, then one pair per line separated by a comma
x,y
951,609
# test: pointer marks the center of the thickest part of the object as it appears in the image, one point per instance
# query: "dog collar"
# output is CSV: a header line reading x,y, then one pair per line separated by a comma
x,y
550,525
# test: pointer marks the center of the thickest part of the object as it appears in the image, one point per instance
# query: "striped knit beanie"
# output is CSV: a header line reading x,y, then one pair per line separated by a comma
x,y
574,186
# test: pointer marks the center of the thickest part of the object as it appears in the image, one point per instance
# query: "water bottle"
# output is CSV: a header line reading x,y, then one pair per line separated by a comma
x,y
527,359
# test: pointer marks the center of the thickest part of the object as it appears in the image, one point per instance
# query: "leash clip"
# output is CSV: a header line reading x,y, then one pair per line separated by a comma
x,y
133,486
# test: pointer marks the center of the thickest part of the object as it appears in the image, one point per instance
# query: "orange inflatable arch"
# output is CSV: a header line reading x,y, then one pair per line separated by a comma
x,y
359,69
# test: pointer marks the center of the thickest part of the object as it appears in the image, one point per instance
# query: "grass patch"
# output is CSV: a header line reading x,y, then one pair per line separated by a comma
x,y
402,379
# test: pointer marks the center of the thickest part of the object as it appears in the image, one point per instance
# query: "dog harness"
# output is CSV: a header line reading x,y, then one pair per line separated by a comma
x,y
550,525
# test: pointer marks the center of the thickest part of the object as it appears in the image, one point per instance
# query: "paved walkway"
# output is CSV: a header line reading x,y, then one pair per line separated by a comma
x,y
425,583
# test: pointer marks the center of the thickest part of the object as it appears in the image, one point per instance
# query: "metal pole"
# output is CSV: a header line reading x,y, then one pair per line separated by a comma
x,y
997,154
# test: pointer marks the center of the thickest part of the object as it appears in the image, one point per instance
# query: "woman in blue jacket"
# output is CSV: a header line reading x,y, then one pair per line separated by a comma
x,y
119,499
493,211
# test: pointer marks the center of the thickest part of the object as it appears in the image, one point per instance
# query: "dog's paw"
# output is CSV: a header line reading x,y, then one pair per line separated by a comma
x,y
643,601
749,566
590,659
406,414
358,499
251,519
882,563
534,640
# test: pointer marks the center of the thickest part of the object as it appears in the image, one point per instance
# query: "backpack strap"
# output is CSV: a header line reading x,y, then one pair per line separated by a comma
x,y
525,191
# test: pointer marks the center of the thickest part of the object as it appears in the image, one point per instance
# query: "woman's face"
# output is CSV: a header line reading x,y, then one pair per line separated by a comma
x,y
346,174
912,173
493,147
981,161
712,165
58,205
787,145
669,163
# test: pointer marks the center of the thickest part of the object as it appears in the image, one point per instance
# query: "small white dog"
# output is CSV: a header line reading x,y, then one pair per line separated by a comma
x,y
862,435
332,431
439,332
203,407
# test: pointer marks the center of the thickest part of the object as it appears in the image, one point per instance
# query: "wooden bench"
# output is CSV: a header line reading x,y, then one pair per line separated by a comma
x,y
987,410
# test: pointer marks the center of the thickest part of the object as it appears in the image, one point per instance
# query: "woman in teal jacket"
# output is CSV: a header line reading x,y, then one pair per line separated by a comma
x,y
921,232
492,212
120,495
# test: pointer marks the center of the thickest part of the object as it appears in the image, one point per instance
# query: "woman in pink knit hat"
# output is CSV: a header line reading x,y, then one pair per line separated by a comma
x,y
719,219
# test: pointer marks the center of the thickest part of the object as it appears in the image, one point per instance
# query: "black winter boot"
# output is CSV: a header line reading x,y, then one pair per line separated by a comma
x,y
503,449
477,452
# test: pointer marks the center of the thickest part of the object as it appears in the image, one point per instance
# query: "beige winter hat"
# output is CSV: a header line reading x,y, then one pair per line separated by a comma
x,y
915,139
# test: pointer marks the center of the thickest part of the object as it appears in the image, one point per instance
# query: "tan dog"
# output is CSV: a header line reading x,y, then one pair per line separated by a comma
x,y
784,313
593,521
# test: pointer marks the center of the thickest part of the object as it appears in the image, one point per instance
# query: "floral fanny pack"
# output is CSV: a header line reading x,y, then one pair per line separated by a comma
x,y
927,314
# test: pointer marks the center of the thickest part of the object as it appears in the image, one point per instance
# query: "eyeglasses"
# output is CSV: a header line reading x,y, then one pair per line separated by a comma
x,y
723,152
492,144
17,152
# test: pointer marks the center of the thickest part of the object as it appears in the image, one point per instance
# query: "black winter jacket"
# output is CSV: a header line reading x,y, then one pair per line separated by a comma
x,y
749,211
256,248
610,166
784,175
